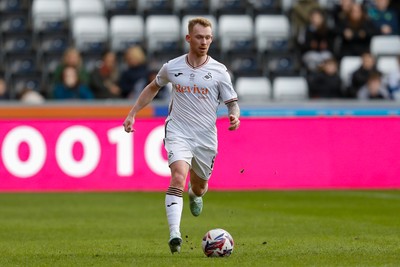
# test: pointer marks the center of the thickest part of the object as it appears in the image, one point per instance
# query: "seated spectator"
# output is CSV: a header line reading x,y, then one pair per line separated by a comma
x,y
30,96
300,14
71,87
392,81
104,79
326,83
340,10
360,77
373,89
356,32
71,58
4,93
317,41
385,19
135,77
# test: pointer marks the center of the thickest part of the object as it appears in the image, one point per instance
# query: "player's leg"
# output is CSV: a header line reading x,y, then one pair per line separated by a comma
x,y
202,166
174,202
197,188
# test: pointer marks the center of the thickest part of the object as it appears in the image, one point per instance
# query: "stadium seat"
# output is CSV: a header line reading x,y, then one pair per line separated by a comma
x,y
285,63
90,33
287,5
191,7
91,60
49,61
17,41
266,7
388,64
162,32
225,7
184,28
14,5
348,65
385,45
253,88
84,8
235,32
126,30
19,81
49,15
14,21
290,88
154,7
56,41
272,32
119,7
244,64
20,62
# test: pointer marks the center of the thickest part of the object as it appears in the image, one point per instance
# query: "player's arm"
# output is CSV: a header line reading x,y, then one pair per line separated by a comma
x,y
147,95
234,114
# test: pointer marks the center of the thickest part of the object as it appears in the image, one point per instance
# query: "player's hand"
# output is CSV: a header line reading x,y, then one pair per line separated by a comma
x,y
128,124
234,122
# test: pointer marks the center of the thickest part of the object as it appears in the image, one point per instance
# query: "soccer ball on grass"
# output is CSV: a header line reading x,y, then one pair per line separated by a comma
x,y
217,243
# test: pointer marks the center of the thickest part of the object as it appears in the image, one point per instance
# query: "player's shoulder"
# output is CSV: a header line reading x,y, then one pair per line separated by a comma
x,y
216,65
176,60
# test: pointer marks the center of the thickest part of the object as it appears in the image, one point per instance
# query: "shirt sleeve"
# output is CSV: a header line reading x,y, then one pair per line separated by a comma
x,y
226,90
162,76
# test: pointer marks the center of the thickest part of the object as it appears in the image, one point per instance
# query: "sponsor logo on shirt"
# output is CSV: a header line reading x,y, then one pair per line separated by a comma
x,y
191,89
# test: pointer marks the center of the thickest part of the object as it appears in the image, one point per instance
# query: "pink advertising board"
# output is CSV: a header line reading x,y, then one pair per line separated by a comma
x,y
266,153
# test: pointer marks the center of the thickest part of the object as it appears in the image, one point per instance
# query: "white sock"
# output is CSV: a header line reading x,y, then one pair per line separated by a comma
x,y
173,207
192,194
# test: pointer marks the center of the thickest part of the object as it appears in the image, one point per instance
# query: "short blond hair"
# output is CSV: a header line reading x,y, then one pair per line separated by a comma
x,y
199,20
136,52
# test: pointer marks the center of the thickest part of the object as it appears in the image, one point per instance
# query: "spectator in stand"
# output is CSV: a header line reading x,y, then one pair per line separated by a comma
x,y
71,58
30,96
340,11
316,41
373,89
4,94
325,83
71,87
300,12
360,76
392,80
135,77
104,79
385,19
356,32
395,5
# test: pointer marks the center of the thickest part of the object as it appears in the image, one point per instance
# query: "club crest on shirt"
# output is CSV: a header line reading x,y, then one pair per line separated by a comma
x,y
208,77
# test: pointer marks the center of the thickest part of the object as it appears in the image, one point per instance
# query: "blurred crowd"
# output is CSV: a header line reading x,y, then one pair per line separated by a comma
x,y
321,37
325,38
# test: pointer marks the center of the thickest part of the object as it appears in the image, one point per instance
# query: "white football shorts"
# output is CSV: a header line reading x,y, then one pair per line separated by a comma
x,y
200,158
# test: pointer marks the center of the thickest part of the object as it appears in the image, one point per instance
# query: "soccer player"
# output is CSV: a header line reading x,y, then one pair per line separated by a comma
x,y
199,82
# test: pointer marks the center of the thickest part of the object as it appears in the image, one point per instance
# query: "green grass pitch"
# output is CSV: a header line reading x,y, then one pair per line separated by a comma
x,y
271,228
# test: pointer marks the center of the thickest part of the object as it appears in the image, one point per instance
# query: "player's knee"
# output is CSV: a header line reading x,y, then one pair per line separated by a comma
x,y
200,189
178,180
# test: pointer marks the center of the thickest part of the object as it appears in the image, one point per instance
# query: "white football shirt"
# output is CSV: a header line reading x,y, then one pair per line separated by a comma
x,y
196,94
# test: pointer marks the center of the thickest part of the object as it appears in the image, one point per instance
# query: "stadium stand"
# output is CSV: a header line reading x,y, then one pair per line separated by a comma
x,y
383,45
254,88
125,31
348,65
235,32
290,88
253,38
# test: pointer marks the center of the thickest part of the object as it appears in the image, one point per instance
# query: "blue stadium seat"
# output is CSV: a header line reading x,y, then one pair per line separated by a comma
x,y
154,7
14,21
49,15
17,41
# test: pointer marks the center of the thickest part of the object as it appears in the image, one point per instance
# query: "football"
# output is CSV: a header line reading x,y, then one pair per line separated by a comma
x,y
217,243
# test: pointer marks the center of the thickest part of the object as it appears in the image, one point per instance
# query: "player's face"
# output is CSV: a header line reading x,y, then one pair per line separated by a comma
x,y
199,39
